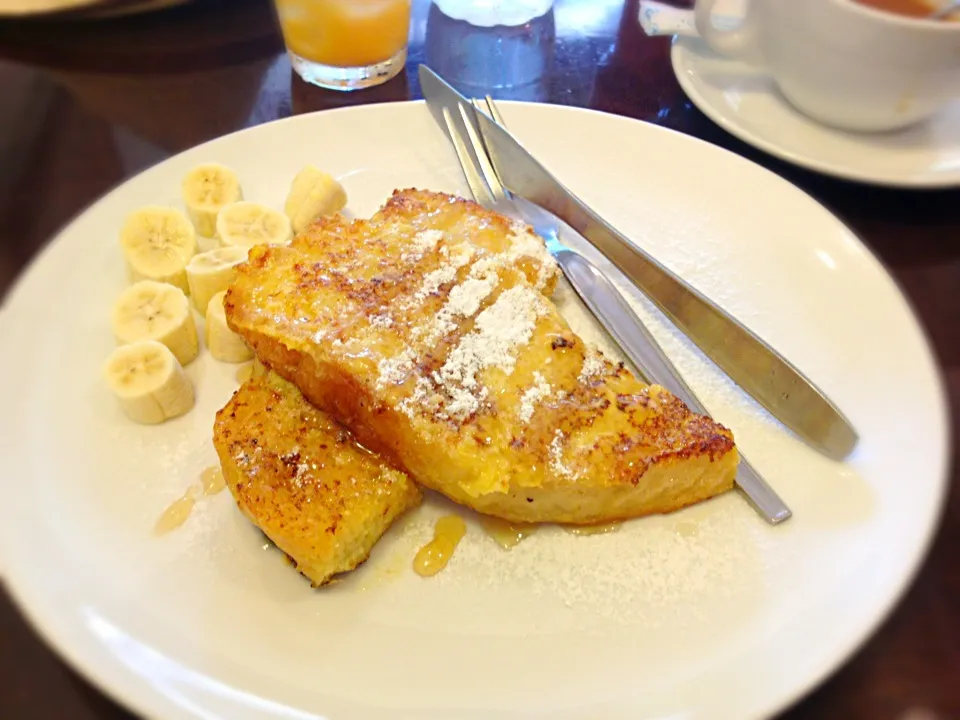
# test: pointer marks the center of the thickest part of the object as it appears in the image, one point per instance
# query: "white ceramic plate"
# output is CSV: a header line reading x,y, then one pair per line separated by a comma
x,y
708,613
744,101
41,7
82,9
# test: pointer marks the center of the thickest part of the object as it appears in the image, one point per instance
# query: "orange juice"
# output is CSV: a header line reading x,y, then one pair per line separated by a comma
x,y
345,33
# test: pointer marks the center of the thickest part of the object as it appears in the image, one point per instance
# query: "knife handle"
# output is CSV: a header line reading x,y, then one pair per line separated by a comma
x,y
621,321
756,367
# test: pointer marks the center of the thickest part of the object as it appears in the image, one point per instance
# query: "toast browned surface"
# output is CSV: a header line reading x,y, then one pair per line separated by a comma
x,y
426,332
414,211
304,481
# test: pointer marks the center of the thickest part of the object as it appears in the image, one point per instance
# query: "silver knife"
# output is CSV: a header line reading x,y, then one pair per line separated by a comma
x,y
756,367
601,297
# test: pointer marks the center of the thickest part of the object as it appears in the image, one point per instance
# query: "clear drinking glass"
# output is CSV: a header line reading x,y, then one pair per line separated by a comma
x,y
486,55
345,44
488,13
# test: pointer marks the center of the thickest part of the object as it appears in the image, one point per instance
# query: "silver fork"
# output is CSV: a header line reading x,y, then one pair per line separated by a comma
x,y
597,292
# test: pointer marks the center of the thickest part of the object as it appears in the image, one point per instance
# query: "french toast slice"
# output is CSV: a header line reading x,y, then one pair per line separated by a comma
x,y
324,532
304,481
439,350
423,214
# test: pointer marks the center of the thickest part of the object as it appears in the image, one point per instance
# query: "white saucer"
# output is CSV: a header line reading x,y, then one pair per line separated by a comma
x,y
745,102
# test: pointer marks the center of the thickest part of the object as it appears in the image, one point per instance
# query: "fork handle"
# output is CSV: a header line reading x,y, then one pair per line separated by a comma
x,y
619,319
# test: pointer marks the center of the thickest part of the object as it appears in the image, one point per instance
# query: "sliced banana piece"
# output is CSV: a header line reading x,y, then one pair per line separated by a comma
x,y
313,194
211,272
149,382
224,344
206,189
245,224
157,243
150,310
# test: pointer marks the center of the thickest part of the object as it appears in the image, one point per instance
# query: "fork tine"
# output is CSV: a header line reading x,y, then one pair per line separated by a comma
x,y
493,182
494,111
481,192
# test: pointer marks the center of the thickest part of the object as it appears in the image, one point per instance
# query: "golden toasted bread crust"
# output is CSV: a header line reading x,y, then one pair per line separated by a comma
x,y
446,358
421,210
304,481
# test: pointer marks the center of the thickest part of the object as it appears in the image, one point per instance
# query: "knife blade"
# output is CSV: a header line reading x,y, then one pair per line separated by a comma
x,y
750,362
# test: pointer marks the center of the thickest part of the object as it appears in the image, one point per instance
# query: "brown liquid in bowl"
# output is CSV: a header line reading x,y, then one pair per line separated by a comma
x,y
910,8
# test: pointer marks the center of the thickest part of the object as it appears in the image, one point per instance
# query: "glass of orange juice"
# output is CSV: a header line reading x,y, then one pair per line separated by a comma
x,y
345,44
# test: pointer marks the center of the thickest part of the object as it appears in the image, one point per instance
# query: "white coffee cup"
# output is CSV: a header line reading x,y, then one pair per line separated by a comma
x,y
843,63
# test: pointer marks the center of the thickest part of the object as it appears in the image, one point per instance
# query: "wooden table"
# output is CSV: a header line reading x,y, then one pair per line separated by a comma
x,y
88,105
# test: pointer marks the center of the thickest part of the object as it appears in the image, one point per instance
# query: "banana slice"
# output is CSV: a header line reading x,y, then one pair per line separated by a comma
x,y
210,272
224,344
150,310
149,382
157,243
206,190
313,194
245,224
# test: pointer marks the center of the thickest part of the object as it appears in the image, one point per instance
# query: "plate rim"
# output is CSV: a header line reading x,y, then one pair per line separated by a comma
x,y
82,10
680,44
101,675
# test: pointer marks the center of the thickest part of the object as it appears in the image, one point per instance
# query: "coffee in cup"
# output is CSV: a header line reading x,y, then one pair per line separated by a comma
x,y
847,63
